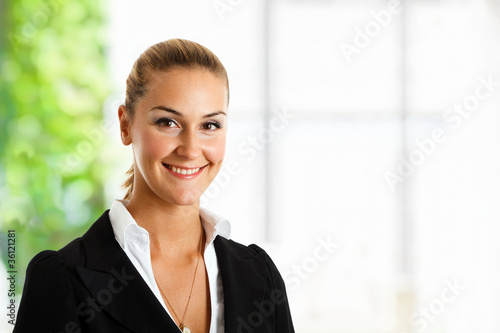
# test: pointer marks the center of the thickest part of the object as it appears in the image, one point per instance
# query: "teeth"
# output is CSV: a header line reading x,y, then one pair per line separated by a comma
x,y
183,171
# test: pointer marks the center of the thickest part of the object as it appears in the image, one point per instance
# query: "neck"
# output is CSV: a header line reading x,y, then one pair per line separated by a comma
x,y
172,229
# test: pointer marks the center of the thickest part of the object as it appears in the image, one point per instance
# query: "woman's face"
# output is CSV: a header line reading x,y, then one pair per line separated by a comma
x,y
178,135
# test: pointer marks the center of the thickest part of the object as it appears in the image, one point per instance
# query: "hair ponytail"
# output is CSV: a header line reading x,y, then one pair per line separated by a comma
x,y
129,183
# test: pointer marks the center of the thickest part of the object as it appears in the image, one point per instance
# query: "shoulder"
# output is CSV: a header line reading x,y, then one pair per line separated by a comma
x,y
52,259
51,266
71,255
47,270
237,249
227,248
248,272
270,265
47,303
47,260
47,278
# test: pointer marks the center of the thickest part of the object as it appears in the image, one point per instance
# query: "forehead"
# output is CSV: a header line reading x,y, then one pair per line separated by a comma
x,y
177,84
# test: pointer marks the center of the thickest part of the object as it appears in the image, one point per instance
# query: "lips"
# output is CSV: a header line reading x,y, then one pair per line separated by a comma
x,y
184,172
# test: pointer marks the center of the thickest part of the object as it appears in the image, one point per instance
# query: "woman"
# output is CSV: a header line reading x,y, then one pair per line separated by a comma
x,y
156,261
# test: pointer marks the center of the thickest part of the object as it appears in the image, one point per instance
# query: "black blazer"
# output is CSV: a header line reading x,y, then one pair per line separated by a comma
x,y
90,285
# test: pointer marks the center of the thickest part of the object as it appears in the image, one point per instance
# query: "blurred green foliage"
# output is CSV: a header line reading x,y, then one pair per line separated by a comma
x,y
52,87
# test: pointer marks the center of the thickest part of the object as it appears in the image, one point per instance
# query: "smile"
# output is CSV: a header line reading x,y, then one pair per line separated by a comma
x,y
184,173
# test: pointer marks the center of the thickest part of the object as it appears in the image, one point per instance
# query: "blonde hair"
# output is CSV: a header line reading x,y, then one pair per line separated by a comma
x,y
161,57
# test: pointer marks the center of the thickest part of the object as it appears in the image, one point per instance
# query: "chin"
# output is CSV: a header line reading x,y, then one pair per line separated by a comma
x,y
187,199
185,202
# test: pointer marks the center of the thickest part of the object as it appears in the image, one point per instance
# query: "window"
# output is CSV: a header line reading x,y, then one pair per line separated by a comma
x,y
353,166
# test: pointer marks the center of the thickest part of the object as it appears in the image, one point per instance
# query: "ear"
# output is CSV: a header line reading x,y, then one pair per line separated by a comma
x,y
125,123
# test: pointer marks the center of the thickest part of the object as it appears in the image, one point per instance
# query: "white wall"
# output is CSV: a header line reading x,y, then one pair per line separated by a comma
x,y
397,252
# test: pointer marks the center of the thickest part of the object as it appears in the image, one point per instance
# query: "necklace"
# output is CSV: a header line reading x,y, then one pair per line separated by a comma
x,y
181,322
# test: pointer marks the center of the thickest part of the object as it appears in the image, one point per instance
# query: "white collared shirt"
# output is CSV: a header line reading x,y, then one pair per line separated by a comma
x,y
134,240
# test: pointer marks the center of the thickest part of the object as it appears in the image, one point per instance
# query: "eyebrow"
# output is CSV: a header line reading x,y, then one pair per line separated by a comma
x,y
177,113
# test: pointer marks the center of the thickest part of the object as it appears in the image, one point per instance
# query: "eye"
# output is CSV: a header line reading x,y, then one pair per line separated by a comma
x,y
210,126
165,122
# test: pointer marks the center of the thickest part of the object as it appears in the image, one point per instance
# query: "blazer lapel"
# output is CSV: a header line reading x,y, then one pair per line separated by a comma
x,y
243,274
116,286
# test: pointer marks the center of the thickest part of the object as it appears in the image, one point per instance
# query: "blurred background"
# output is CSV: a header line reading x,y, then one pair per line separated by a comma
x,y
363,144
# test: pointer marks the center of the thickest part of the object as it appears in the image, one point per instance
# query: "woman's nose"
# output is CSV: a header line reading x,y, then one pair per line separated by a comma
x,y
189,145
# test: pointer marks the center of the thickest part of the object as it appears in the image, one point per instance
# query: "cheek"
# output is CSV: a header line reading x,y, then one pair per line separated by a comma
x,y
151,146
216,150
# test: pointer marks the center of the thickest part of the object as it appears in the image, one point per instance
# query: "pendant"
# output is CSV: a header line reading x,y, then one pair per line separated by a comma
x,y
185,329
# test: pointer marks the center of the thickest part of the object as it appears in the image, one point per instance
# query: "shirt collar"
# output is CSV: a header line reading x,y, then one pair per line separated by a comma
x,y
126,229
214,225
